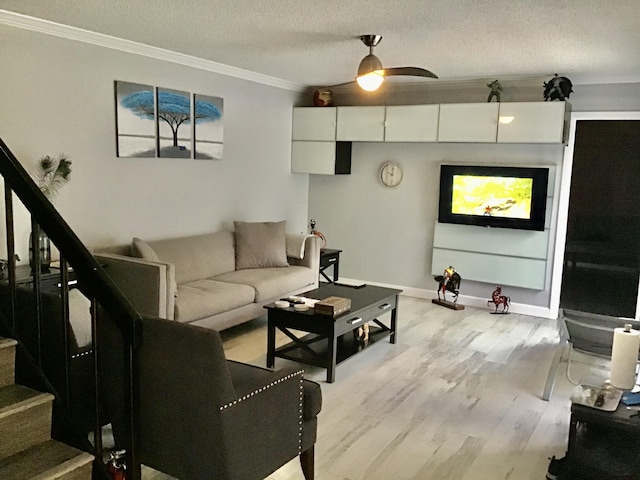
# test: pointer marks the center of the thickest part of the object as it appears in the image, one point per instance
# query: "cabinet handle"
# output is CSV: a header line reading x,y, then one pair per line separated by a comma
x,y
384,306
353,321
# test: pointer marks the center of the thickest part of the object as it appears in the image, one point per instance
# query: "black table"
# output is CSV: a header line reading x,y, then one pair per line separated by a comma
x,y
330,257
604,442
328,340
49,279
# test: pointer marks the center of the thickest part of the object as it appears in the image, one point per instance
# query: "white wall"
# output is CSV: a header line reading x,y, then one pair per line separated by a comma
x,y
58,97
387,235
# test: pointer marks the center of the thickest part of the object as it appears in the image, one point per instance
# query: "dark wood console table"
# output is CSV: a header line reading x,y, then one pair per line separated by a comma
x,y
49,279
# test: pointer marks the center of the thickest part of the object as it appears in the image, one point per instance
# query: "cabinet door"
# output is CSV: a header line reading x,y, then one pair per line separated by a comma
x,y
468,122
412,123
314,123
531,122
323,158
360,124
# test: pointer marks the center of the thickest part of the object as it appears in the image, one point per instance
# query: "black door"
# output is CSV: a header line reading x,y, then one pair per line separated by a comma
x,y
602,253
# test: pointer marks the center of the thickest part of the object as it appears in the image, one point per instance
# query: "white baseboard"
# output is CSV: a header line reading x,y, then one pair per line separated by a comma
x,y
522,308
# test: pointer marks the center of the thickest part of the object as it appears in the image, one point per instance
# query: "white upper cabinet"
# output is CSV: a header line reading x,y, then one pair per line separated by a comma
x,y
531,122
313,157
360,124
468,122
322,158
314,123
412,123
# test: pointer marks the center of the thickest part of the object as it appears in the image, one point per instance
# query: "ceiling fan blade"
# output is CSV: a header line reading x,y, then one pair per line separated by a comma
x,y
341,84
410,71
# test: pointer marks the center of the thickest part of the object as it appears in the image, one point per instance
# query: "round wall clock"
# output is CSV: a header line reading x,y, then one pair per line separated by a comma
x,y
391,174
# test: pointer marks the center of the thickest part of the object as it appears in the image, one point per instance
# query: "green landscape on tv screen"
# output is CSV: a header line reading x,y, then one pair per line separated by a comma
x,y
508,197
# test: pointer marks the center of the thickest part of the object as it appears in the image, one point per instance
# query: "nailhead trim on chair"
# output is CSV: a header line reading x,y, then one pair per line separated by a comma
x,y
301,404
261,389
300,413
83,354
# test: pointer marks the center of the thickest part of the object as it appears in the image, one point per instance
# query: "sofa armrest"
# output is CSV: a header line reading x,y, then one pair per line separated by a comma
x,y
311,256
149,286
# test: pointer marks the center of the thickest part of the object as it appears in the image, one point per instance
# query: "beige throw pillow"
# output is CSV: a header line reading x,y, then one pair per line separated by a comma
x,y
260,244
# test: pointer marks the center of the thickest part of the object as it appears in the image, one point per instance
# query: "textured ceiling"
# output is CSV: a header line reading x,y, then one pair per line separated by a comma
x,y
315,43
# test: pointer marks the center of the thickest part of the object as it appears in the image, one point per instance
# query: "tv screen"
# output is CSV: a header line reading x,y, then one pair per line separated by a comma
x,y
507,197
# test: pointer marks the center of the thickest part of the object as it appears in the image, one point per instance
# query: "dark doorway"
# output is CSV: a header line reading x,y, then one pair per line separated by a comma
x,y
602,253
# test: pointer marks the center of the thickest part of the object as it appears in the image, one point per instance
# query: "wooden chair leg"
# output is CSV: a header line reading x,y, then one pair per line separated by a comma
x,y
307,462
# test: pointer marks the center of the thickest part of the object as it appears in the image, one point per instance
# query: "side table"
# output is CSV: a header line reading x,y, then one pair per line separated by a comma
x,y
602,442
330,257
50,279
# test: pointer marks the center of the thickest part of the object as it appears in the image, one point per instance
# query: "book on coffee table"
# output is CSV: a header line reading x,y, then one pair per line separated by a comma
x,y
333,306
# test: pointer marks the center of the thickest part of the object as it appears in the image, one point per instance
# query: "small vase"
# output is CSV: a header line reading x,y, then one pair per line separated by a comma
x,y
44,246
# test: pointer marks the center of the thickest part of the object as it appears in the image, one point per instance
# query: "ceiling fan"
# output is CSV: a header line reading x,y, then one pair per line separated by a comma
x,y
371,73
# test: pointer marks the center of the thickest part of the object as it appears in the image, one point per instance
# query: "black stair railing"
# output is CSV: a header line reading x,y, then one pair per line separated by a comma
x,y
93,282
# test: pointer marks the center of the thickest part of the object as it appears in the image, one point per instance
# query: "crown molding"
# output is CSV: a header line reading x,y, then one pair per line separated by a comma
x,y
47,27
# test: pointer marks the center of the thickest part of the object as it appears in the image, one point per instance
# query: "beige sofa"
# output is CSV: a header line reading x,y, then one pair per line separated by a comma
x,y
214,280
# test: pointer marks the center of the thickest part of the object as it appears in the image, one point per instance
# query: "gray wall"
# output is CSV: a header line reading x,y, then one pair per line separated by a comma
x,y
58,97
387,234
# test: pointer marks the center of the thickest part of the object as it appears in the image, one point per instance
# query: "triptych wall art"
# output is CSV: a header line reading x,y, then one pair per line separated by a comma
x,y
160,122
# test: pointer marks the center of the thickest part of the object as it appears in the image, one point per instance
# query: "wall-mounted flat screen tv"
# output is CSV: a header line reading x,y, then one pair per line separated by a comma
x,y
493,196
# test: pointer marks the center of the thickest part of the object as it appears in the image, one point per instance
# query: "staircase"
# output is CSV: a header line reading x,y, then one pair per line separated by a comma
x,y
26,448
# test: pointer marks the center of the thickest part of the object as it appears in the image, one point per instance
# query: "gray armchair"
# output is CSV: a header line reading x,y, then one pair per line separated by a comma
x,y
204,417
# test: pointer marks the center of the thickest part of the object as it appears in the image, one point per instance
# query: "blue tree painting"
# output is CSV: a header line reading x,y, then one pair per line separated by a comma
x,y
174,109
136,135
208,135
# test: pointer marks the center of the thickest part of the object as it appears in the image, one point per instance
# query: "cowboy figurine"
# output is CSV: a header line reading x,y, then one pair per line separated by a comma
x,y
448,273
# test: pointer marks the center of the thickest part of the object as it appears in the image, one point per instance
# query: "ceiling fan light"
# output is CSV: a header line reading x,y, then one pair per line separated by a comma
x,y
371,81
370,73
369,64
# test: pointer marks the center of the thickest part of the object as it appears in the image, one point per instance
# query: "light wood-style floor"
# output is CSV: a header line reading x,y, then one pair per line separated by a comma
x,y
458,397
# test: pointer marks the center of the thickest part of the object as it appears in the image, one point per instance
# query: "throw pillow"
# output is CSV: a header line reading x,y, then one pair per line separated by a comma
x,y
141,249
260,244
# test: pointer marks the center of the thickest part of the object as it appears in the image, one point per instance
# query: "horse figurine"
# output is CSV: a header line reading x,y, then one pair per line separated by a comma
x,y
498,299
449,281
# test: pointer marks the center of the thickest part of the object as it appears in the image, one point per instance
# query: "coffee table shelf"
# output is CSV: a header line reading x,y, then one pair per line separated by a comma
x,y
347,347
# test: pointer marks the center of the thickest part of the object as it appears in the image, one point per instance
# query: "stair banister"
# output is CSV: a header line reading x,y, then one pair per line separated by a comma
x,y
96,284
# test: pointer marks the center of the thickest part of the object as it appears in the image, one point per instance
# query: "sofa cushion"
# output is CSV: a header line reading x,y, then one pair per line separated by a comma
x,y
203,298
270,282
198,256
260,244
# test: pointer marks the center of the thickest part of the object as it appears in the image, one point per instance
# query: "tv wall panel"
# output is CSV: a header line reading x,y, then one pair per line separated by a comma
x,y
488,268
496,241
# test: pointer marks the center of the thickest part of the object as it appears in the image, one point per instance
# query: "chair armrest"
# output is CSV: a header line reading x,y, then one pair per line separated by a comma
x,y
149,286
262,429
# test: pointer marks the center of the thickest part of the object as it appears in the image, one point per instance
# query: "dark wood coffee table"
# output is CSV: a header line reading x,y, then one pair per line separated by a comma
x,y
328,340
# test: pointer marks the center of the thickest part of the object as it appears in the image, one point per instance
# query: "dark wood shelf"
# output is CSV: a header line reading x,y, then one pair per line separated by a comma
x,y
347,347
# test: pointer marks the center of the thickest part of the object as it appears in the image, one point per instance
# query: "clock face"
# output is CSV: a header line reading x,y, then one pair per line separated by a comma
x,y
391,174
